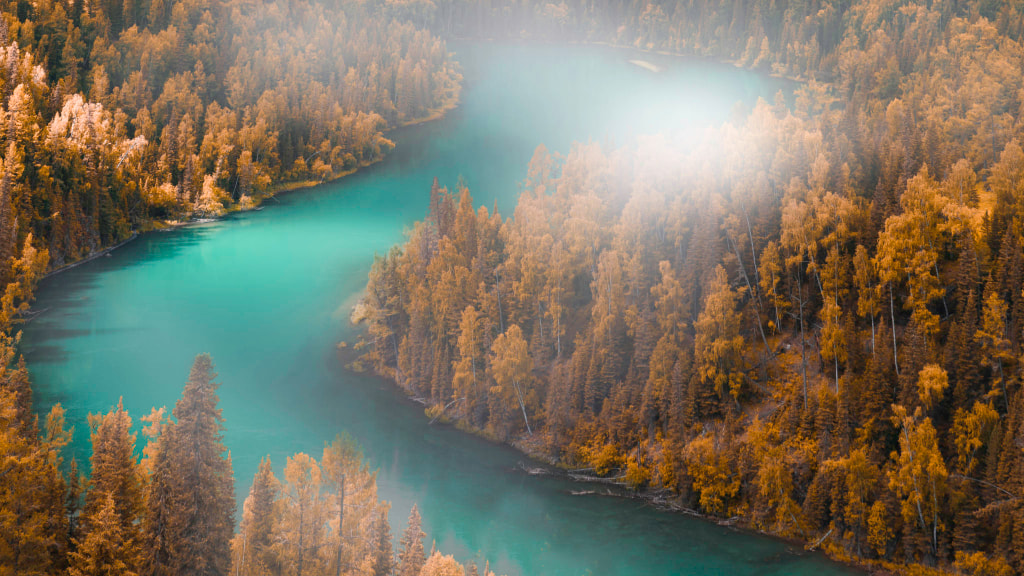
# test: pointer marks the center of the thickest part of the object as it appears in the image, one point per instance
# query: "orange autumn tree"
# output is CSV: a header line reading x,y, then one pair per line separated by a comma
x,y
919,478
511,366
718,345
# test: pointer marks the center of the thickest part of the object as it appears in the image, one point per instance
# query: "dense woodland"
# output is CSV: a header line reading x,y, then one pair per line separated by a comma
x,y
116,114
817,329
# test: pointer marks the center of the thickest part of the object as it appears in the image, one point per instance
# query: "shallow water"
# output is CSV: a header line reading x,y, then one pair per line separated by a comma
x,y
268,294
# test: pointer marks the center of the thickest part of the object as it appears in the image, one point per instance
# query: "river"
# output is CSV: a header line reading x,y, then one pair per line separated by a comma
x,y
268,294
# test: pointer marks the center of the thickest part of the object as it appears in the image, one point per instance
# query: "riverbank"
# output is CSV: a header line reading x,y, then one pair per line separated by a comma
x,y
664,500
645,64
532,446
276,190
91,257
295,186
541,464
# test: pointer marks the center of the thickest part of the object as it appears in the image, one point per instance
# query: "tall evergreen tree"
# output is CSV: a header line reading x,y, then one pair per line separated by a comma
x,y
383,557
105,550
115,480
191,502
114,469
253,554
411,555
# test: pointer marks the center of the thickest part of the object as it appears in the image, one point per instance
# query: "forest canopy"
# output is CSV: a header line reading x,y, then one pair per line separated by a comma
x,y
819,329
812,320
120,114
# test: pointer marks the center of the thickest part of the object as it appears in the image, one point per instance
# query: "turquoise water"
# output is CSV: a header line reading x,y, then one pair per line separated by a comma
x,y
268,294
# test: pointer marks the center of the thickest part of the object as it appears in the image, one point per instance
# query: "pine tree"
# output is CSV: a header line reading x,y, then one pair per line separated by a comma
x,y
300,533
995,348
32,516
383,558
411,556
191,503
16,380
77,485
919,479
116,479
467,384
8,228
114,470
962,353
718,344
511,365
350,503
441,565
1010,477
160,533
252,545
105,550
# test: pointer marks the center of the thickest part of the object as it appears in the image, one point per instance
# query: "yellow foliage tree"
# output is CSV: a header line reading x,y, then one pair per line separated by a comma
x,y
932,383
511,366
440,565
919,475
718,345
713,477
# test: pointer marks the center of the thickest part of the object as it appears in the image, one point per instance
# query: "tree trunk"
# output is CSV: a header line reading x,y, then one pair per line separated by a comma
x,y
522,406
872,336
803,338
757,298
341,520
892,319
302,514
497,290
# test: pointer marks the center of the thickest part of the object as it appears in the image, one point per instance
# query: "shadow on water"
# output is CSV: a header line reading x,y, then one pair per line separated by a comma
x,y
68,285
64,299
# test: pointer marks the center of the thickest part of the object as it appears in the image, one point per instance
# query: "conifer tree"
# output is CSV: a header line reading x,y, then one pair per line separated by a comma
x,y
350,502
383,557
511,365
191,502
993,343
160,531
919,479
252,546
105,550
114,470
440,565
718,343
33,524
411,555
300,532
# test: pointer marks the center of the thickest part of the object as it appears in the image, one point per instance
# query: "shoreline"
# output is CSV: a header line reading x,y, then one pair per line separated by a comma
x,y
93,256
300,185
276,190
636,50
605,487
539,463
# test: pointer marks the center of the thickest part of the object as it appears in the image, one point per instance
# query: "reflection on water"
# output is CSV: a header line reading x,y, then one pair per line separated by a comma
x,y
267,294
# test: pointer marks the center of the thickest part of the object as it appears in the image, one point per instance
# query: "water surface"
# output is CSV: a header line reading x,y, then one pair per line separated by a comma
x,y
268,294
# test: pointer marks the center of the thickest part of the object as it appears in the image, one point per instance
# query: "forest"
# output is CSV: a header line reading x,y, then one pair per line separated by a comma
x,y
815,331
119,115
